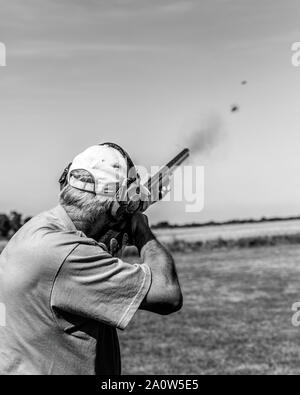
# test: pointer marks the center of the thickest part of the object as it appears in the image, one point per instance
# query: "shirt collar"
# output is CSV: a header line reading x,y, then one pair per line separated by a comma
x,y
64,217
69,224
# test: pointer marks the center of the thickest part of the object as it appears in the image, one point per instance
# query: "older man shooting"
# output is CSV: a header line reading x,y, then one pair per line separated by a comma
x,y
65,294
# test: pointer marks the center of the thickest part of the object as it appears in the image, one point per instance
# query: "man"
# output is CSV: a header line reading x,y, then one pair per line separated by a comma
x,y
64,293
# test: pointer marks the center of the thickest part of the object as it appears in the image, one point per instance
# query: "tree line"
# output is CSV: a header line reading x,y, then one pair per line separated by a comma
x,y
11,223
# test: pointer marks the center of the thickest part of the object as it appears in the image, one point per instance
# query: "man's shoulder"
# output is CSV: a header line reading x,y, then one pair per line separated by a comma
x,y
48,237
46,228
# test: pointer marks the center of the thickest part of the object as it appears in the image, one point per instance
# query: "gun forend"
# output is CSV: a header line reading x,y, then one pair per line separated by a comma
x,y
161,180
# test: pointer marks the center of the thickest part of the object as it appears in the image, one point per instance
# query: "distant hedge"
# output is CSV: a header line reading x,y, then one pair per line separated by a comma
x,y
245,242
10,224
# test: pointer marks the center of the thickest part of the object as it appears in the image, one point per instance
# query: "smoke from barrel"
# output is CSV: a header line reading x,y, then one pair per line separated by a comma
x,y
207,137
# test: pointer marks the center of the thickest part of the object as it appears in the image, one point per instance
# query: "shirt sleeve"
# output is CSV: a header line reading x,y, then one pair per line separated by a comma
x,y
93,284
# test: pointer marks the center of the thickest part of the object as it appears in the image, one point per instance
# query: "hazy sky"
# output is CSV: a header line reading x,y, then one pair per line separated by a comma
x,y
146,73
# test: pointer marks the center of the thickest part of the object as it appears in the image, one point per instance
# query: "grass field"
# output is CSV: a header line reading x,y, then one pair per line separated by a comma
x,y
236,317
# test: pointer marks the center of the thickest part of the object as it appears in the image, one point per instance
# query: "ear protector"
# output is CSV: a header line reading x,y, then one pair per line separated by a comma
x,y
131,196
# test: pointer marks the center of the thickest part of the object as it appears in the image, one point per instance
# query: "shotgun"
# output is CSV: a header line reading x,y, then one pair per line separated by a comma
x,y
158,186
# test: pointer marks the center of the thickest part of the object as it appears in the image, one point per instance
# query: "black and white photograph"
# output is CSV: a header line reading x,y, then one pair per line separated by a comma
x,y
150,190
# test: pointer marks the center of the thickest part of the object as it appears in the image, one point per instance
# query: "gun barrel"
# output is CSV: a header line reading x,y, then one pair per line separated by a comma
x,y
179,159
168,168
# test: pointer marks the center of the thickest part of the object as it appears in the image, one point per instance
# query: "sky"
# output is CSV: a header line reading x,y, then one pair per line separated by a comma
x,y
146,74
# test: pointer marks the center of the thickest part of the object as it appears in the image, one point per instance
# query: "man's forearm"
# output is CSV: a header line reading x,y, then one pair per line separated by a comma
x,y
159,260
155,255
164,295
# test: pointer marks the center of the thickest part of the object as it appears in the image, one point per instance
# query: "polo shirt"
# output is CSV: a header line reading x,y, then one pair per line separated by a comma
x,y
64,297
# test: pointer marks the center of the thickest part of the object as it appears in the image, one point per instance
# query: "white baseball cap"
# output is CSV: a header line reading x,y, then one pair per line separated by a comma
x,y
107,166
